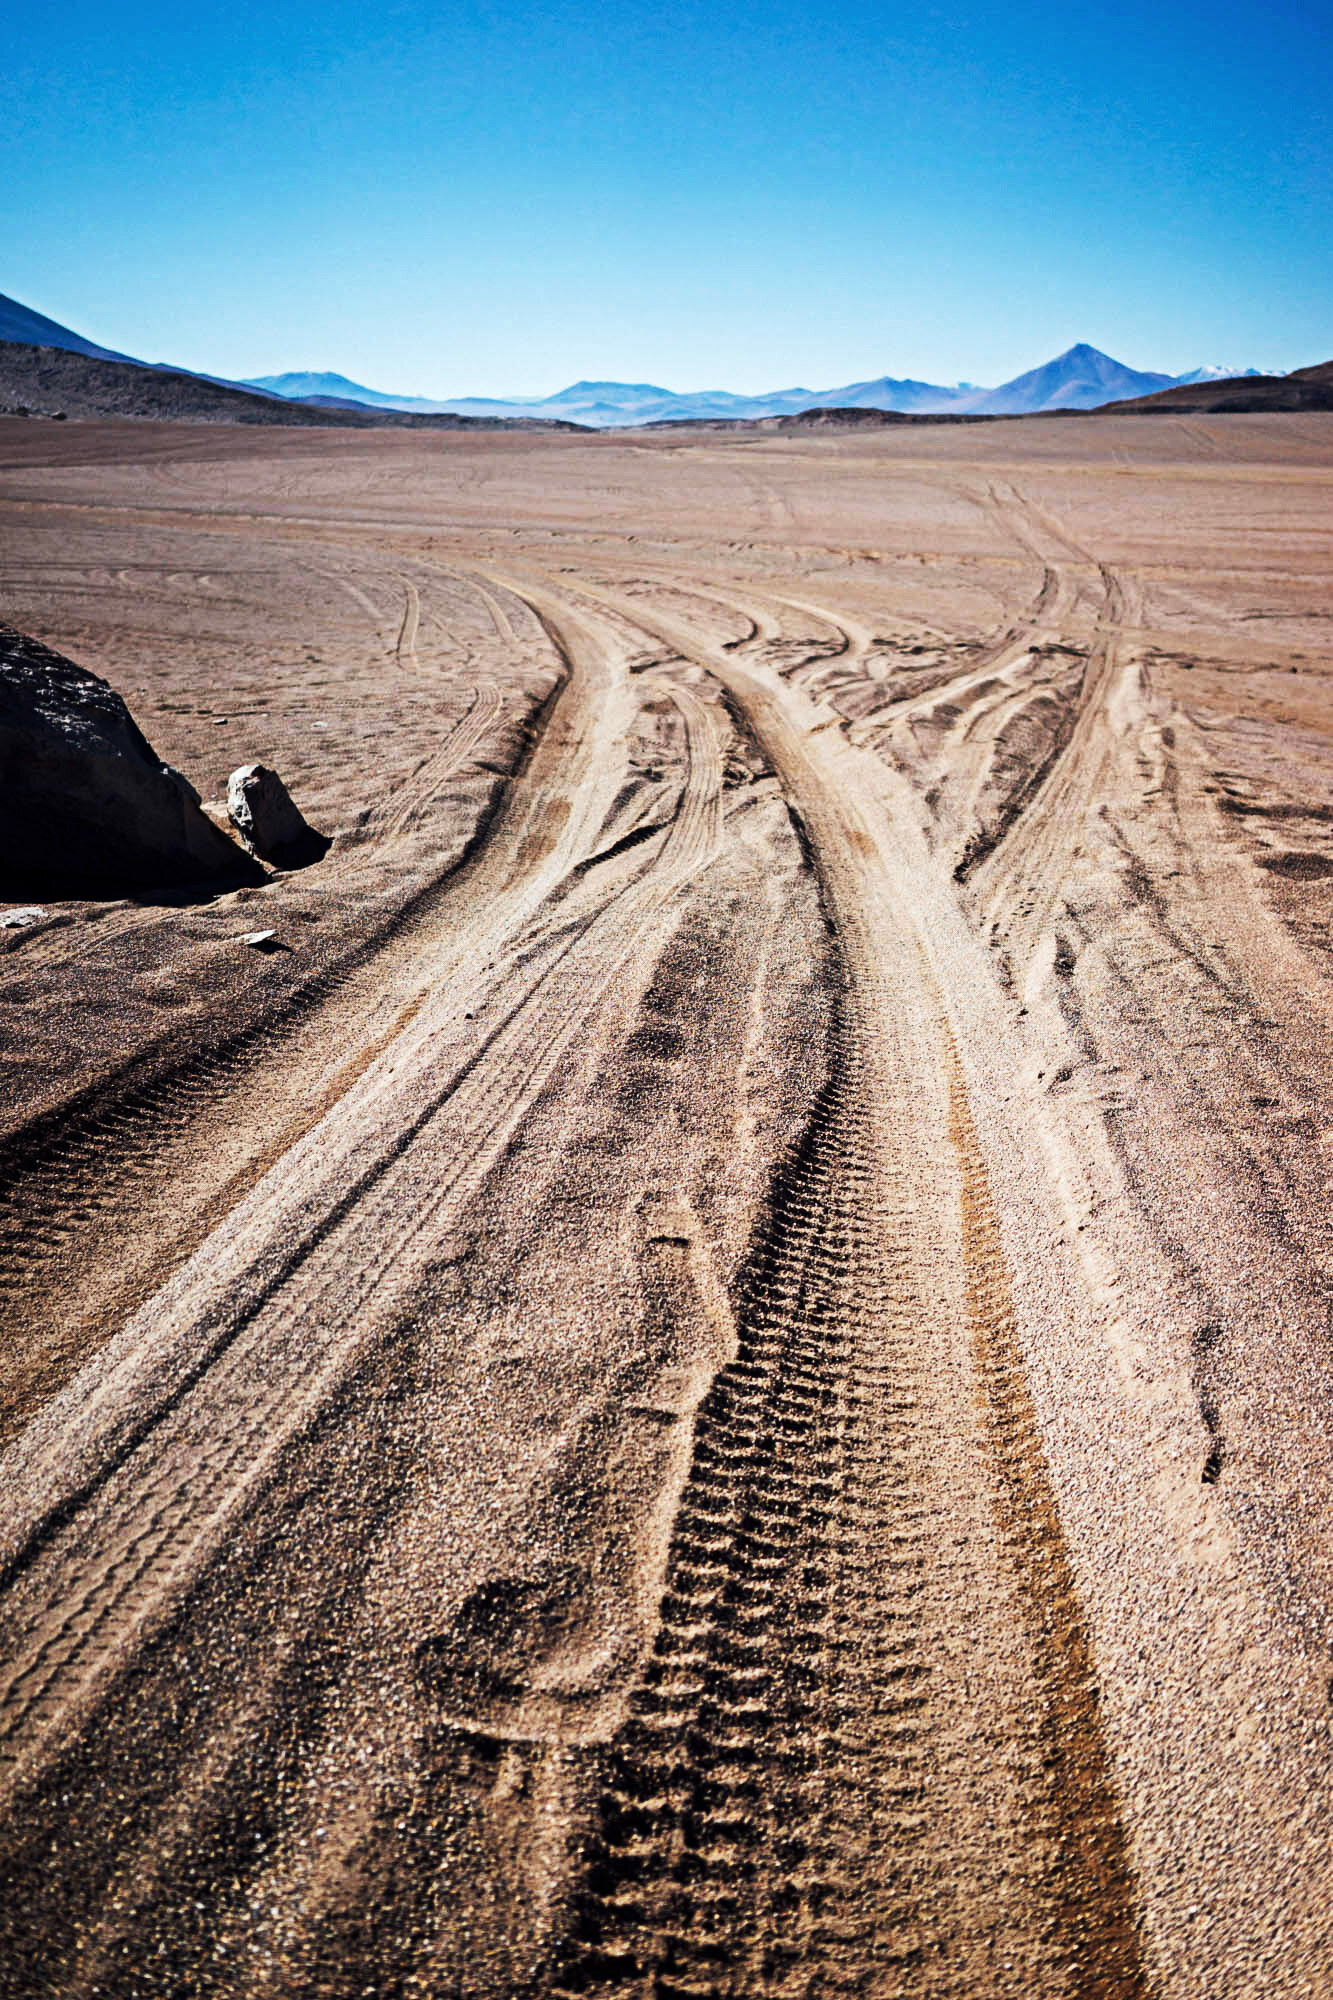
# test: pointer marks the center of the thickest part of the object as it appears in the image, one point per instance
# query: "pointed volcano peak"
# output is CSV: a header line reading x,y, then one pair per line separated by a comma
x,y
1082,378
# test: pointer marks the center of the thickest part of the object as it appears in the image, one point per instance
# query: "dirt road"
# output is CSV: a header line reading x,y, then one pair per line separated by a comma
x,y
716,1381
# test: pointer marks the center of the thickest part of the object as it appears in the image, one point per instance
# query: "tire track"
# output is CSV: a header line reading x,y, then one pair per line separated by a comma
x,y
1035,833
377,617
405,647
1094,1875
737,1849
273,1311
796,1804
1038,625
68,1181
398,815
1027,857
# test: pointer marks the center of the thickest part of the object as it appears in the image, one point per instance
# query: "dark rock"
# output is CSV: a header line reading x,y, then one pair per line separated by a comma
x,y
86,808
269,822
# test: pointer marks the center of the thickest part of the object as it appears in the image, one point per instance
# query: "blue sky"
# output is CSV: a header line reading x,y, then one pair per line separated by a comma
x,y
500,199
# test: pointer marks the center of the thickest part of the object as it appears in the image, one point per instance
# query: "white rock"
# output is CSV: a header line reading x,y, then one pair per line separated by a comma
x,y
264,814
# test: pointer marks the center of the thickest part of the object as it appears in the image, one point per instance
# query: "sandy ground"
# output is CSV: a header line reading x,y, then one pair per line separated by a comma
x,y
716,1379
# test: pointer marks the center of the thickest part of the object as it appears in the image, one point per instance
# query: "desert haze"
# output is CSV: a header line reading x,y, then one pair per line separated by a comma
x,y
698,1362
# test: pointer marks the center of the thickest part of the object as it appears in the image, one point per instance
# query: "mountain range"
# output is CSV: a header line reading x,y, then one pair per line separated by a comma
x,y
1082,378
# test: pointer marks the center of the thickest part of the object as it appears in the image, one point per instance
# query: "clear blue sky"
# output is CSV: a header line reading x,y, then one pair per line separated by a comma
x,y
499,199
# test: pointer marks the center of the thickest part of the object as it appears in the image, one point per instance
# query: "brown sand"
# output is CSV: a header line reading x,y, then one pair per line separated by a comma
x,y
716,1381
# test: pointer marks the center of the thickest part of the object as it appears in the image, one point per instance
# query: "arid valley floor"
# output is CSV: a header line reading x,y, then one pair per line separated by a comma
x,y
716,1378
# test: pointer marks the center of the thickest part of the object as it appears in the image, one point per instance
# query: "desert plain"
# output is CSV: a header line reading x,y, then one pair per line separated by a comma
x,y
712,1376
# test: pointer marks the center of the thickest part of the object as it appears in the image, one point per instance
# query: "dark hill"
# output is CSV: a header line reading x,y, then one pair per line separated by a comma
x,y
825,418
55,381
852,417
33,329
1306,389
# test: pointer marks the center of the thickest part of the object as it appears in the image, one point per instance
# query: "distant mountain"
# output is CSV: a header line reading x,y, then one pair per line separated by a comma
x,y
20,326
604,404
46,369
1082,378
54,381
1237,395
600,402
887,392
1215,372
306,386
609,405
47,380
20,323
617,395
612,404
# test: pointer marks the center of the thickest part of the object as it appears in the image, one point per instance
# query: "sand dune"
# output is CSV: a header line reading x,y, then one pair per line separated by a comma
x,y
713,1380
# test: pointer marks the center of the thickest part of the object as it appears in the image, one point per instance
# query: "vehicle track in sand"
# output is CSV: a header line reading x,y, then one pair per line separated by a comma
x,y
397,816
1040,682
90,1214
718,1412
380,621
965,714
867,1530
405,646
227,1362
1042,825
866,1547
990,661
